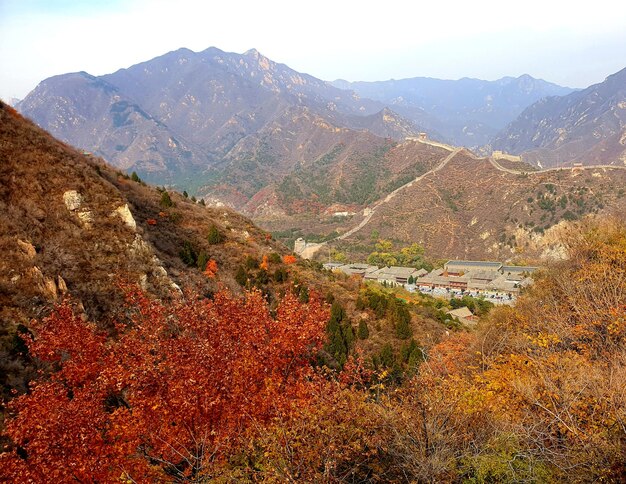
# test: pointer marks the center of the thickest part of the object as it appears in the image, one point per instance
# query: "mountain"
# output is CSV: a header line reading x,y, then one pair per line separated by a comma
x,y
182,118
468,112
586,126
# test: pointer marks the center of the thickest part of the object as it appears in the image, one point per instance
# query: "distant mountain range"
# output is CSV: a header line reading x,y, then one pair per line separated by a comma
x,y
587,126
467,112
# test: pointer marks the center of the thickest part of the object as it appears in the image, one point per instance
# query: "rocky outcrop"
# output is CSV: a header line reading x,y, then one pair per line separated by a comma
x,y
127,217
74,201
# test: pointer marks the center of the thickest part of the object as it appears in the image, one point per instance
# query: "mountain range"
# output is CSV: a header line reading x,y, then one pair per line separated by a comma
x,y
194,118
467,112
291,150
186,116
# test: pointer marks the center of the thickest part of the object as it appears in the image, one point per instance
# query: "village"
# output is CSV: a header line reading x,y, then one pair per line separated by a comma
x,y
492,280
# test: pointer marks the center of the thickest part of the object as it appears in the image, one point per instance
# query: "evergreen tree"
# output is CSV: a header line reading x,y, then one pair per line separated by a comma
x,y
363,331
340,334
304,295
188,254
241,276
134,177
166,201
401,318
185,194
203,258
214,236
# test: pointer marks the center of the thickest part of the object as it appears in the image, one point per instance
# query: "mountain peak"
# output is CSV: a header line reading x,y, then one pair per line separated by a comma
x,y
253,53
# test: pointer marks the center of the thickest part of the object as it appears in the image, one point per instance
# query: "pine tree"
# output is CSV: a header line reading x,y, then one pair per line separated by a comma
x,y
304,294
363,331
241,276
166,201
134,177
340,334
203,258
188,254
214,236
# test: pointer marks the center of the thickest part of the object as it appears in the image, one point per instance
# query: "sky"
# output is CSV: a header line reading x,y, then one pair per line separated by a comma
x,y
572,43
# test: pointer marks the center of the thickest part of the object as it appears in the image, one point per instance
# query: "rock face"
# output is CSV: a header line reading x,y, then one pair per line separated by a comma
x,y
587,127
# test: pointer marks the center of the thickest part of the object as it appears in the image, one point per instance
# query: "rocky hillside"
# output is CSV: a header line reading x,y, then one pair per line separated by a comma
x,y
587,127
473,209
468,112
183,118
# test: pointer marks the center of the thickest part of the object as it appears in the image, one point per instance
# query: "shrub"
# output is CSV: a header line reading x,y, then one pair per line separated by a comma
x,y
241,276
363,332
214,236
166,201
188,254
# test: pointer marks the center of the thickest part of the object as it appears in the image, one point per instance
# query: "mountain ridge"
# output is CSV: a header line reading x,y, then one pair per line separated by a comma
x,y
587,126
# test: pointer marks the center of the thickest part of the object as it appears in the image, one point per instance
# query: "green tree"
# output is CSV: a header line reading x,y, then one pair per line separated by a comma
x,y
340,334
241,276
363,332
203,258
188,254
304,294
166,201
134,177
401,318
214,236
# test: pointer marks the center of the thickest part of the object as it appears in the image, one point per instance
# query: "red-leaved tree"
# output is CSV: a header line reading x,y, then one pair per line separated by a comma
x,y
167,396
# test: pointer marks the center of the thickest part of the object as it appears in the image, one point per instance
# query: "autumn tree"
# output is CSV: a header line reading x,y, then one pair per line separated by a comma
x,y
167,395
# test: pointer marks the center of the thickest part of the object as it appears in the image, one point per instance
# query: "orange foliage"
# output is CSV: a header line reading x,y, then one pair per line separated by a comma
x,y
211,268
151,221
265,263
168,396
162,214
289,259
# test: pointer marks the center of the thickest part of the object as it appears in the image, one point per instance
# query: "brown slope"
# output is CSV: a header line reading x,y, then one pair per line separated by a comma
x,y
470,209
345,180
299,140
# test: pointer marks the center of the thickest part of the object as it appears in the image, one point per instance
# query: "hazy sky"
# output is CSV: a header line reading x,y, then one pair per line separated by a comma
x,y
572,42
